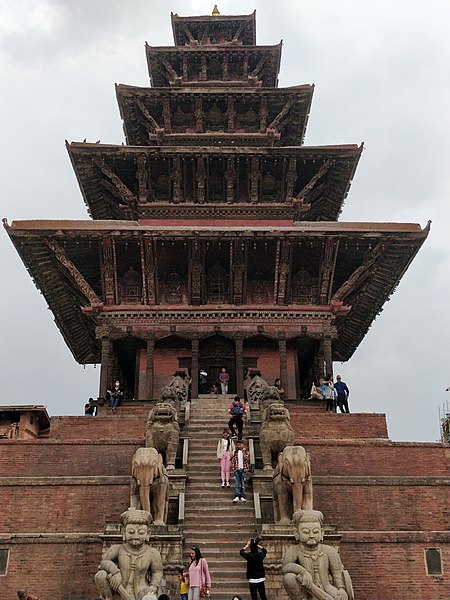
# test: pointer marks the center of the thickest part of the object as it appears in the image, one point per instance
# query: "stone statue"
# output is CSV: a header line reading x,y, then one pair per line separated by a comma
x,y
310,568
131,570
255,388
163,432
177,386
149,488
275,432
292,483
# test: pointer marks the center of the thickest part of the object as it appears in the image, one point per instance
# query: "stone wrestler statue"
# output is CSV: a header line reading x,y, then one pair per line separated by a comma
x,y
310,568
132,570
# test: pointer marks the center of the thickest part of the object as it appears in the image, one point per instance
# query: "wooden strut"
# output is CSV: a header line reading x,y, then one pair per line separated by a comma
x,y
145,113
314,179
117,186
75,274
361,273
283,112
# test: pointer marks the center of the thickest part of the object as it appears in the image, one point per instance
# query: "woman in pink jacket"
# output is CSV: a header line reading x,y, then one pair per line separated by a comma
x,y
199,577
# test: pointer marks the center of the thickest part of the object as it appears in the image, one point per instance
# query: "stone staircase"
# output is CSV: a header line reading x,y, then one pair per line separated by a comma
x,y
213,522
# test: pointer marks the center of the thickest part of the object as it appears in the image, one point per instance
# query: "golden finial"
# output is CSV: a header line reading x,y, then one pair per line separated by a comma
x,y
215,11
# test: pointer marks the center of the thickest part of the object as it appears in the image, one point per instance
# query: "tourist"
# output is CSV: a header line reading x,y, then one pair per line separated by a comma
x,y
255,554
224,379
225,450
237,411
116,395
329,393
24,595
311,566
240,465
342,393
163,597
279,385
317,391
184,584
90,410
199,577
236,597
203,382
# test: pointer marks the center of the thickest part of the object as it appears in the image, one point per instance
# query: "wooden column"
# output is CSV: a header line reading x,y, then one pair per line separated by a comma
x,y
149,369
105,374
240,367
194,368
283,365
327,355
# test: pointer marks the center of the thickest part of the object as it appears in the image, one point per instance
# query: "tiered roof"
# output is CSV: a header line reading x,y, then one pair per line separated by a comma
x,y
215,163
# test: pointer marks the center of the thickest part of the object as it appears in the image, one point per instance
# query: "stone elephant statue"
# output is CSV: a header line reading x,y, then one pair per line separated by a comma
x,y
163,432
275,432
149,484
292,483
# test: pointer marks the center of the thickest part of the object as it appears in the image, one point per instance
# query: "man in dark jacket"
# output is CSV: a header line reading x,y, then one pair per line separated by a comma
x,y
255,555
343,393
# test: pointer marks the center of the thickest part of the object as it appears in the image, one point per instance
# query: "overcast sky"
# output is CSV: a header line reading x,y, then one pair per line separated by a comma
x,y
381,71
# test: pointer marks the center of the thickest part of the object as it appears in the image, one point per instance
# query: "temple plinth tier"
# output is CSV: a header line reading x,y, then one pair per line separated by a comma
x,y
214,237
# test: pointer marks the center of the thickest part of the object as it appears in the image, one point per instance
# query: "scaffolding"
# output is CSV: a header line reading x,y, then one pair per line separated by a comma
x,y
444,422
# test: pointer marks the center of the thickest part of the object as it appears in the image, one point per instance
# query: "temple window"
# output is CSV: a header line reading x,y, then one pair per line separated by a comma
x,y
433,561
4,560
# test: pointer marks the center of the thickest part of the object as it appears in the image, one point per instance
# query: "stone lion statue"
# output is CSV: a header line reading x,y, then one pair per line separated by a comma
x,y
163,432
275,433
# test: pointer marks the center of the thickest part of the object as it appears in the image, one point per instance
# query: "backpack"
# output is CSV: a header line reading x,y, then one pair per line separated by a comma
x,y
237,410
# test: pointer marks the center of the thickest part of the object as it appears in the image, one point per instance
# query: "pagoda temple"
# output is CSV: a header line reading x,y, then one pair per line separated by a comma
x,y
214,240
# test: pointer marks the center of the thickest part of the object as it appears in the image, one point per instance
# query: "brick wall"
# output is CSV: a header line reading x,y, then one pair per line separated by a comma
x,y
47,459
57,570
336,426
61,506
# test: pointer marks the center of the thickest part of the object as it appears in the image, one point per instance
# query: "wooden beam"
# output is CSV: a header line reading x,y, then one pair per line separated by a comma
x,y
231,114
314,179
283,112
263,114
327,267
238,264
284,270
166,115
173,75
291,178
153,125
115,185
198,111
150,271
142,176
73,273
201,179
190,37
108,272
176,178
258,67
361,273
238,33
230,177
254,179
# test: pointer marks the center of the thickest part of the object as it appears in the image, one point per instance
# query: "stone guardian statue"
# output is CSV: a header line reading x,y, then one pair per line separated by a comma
x,y
310,568
131,570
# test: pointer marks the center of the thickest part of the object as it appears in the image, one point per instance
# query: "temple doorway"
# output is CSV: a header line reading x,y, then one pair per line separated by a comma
x,y
126,353
216,352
